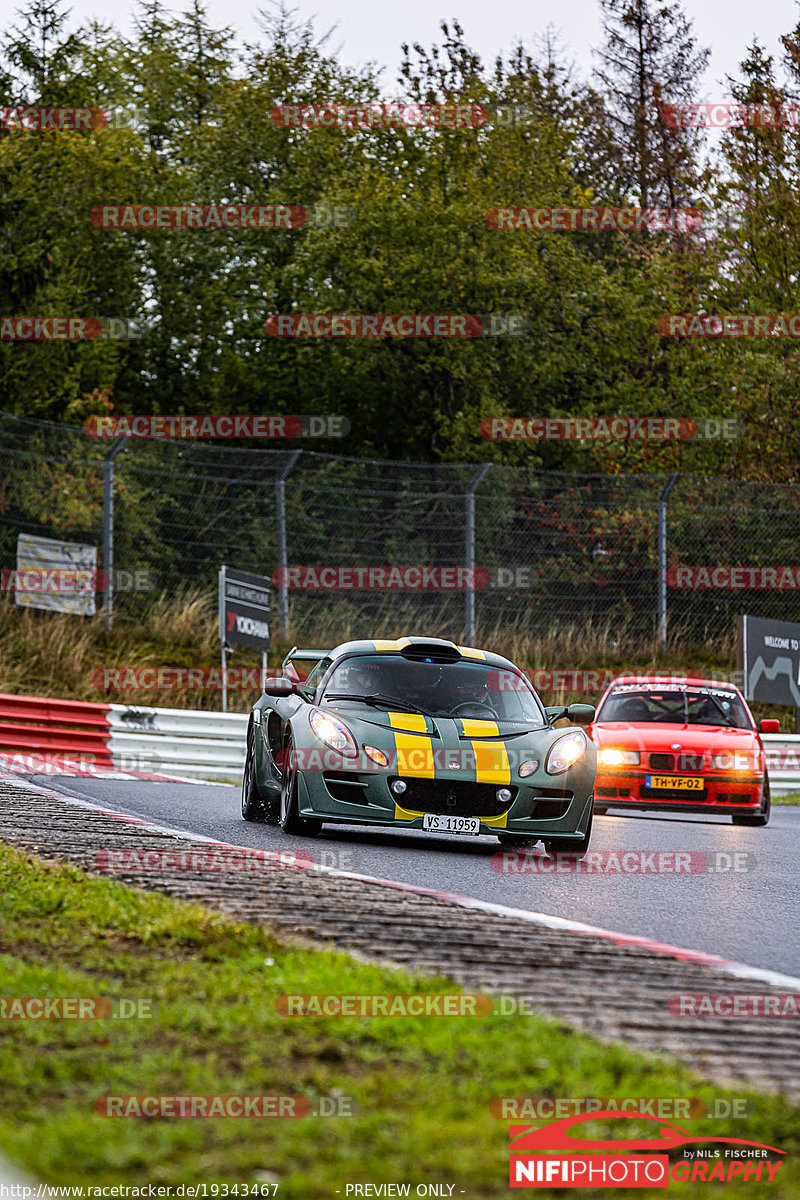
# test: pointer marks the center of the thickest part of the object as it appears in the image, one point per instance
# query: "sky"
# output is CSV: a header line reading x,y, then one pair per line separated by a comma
x,y
375,31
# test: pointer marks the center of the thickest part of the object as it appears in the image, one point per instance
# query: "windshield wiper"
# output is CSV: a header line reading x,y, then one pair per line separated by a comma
x,y
377,699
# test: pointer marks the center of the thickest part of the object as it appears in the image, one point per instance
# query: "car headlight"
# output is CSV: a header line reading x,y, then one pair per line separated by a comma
x,y
333,733
529,767
376,755
565,753
611,757
734,762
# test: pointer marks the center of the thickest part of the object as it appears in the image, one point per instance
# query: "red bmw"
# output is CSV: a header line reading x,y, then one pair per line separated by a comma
x,y
685,745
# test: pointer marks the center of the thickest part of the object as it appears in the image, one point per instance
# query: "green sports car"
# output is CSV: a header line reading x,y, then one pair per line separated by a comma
x,y
417,734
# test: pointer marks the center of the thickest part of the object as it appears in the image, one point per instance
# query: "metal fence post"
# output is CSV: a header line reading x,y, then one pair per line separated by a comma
x,y
469,551
108,530
662,561
280,518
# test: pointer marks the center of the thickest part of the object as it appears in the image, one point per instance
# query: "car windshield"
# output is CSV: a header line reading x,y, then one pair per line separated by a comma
x,y
471,690
675,706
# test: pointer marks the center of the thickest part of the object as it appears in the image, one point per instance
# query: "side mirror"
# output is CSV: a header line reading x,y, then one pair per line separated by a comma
x,y
279,687
581,714
555,713
770,725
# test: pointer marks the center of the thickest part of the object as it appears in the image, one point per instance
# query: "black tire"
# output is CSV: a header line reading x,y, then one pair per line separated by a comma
x,y
577,845
290,820
760,819
254,807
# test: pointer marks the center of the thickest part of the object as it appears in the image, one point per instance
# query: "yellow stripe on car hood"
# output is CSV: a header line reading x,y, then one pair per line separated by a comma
x,y
479,728
414,755
491,763
410,722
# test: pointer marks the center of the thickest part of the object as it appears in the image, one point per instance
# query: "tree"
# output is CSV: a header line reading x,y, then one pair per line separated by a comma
x,y
650,58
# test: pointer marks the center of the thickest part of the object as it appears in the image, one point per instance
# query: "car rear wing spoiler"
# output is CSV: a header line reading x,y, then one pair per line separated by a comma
x,y
312,657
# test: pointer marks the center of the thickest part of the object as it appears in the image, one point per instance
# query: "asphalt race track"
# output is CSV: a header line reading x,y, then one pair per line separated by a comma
x,y
746,914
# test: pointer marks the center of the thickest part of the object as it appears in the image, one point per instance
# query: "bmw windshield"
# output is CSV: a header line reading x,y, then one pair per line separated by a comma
x,y
469,690
657,703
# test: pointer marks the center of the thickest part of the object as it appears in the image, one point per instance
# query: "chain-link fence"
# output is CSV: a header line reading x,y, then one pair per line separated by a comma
x,y
546,547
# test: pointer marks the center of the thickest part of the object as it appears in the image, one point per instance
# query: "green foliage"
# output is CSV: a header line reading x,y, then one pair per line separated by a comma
x,y
198,130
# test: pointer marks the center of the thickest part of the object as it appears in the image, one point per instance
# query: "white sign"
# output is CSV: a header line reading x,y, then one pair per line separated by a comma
x,y
58,576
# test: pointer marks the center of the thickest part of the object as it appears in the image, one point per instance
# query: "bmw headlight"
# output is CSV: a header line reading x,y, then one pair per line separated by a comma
x,y
565,753
611,757
333,733
734,762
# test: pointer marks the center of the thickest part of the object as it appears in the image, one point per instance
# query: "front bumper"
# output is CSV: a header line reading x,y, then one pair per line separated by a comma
x,y
722,793
554,807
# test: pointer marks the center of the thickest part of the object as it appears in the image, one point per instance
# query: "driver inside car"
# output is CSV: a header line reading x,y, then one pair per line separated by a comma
x,y
456,696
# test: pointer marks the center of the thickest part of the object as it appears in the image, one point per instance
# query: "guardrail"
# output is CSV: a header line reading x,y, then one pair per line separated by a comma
x,y
199,744
48,734
175,741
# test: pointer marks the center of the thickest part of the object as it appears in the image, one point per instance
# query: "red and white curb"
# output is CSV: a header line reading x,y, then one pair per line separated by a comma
x,y
700,958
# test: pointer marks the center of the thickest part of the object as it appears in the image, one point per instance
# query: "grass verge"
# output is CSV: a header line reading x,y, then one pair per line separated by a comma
x,y
421,1087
